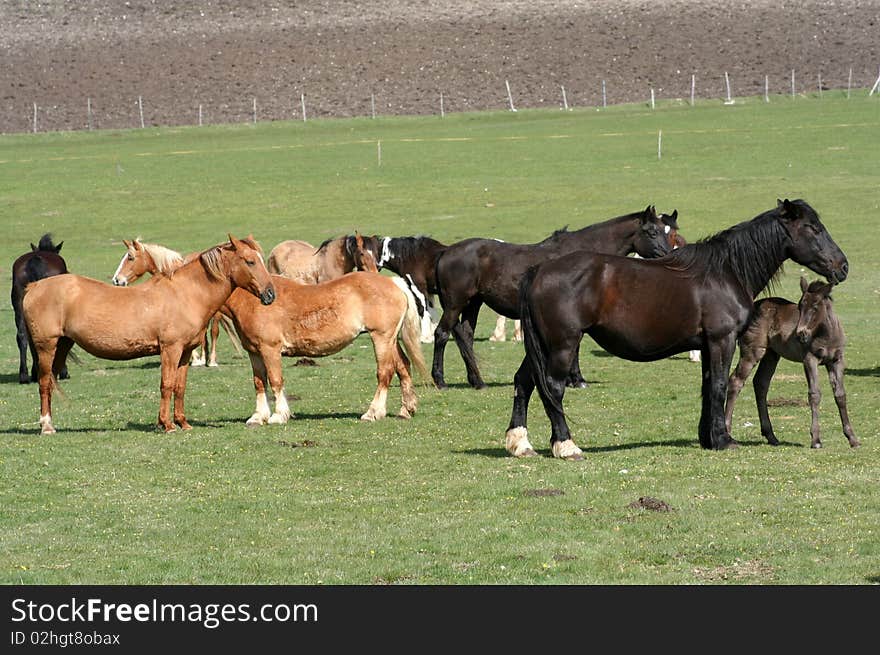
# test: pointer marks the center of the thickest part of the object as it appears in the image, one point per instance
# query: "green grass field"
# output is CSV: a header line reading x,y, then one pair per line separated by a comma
x,y
436,500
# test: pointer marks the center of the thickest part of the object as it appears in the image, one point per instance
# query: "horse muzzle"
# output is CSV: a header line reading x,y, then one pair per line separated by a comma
x,y
803,335
839,274
268,296
120,282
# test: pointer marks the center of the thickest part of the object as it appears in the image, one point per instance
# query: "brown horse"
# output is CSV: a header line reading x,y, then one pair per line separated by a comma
x,y
141,258
165,316
301,261
807,332
42,261
316,320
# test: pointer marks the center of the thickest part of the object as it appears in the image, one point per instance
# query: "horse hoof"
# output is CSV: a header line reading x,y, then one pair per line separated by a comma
x,y
729,444
277,419
567,450
816,445
185,426
404,414
213,365
855,443
581,384
254,421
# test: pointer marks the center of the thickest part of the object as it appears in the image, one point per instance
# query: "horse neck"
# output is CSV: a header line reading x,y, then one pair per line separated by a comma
x,y
612,237
206,288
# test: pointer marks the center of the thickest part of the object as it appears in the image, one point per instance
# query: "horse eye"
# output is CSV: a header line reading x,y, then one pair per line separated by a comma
x,y
130,257
250,262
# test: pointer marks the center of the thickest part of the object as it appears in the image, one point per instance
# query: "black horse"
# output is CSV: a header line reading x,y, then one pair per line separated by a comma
x,y
698,296
42,261
476,271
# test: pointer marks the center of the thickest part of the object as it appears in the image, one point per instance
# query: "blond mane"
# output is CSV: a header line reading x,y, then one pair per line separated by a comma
x,y
166,260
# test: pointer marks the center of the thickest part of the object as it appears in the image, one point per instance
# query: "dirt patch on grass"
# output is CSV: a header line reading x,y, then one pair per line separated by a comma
x,y
751,570
651,504
543,493
787,402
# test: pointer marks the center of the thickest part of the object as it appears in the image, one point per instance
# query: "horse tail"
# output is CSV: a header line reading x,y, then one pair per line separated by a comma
x,y
536,349
411,326
229,327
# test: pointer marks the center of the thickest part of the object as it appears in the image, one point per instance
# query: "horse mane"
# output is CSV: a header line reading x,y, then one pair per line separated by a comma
x,y
212,258
409,247
326,243
166,260
751,251
565,232
46,244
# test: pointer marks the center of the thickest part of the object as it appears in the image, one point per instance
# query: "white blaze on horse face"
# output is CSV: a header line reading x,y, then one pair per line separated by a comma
x,y
120,281
387,255
666,229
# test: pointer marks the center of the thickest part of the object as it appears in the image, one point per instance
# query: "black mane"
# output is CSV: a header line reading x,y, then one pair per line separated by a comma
x,y
46,244
410,247
751,251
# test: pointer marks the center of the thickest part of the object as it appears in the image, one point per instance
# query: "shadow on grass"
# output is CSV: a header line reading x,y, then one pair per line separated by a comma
x,y
465,385
9,378
864,372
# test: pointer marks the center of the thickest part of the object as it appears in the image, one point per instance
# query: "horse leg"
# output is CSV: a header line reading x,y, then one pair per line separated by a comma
x,y
272,362
814,396
574,379
198,358
516,440
761,384
383,346
261,413
409,402
747,360
45,360
720,355
464,339
835,375
517,331
170,361
180,391
441,337
22,339
705,394
215,333
552,393
499,333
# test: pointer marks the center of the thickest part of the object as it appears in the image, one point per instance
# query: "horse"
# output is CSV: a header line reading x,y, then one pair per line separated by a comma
x,y
675,240
626,306
476,271
301,261
807,332
164,316
316,320
152,258
414,258
42,261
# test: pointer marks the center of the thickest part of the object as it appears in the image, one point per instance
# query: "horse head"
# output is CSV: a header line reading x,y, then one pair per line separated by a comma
x,y
810,244
651,238
815,308
46,245
248,270
362,256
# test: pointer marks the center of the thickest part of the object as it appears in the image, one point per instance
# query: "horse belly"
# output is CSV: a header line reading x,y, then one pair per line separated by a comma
x,y
304,340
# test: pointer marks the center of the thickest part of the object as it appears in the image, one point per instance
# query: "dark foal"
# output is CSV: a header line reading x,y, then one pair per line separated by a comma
x,y
808,332
42,261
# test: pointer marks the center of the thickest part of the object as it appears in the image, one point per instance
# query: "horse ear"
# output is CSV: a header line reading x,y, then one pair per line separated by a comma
x,y
58,247
232,240
33,248
126,243
804,284
785,208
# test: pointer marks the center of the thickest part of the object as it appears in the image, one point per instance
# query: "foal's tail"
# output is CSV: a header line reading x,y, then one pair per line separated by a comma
x,y
536,349
229,327
411,327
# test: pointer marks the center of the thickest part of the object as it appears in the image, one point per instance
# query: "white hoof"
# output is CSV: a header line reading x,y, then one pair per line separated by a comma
x,y
213,364
516,441
255,420
197,362
370,415
278,419
46,426
567,450
694,355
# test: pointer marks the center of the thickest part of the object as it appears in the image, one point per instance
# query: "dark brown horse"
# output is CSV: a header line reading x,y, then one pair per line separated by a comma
x,y
625,305
42,261
807,332
476,271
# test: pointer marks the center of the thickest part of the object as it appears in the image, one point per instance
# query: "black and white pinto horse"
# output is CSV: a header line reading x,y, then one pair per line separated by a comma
x,y
626,306
413,258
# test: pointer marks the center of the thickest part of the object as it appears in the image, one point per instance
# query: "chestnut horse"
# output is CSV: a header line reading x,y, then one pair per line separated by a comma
x,y
697,296
164,316
316,320
476,271
42,261
807,332
302,262
141,258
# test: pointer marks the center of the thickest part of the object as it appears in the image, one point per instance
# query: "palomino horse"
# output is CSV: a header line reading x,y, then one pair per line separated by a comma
x,y
414,258
164,316
807,332
476,271
141,258
301,261
670,223
316,320
42,261
625,305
